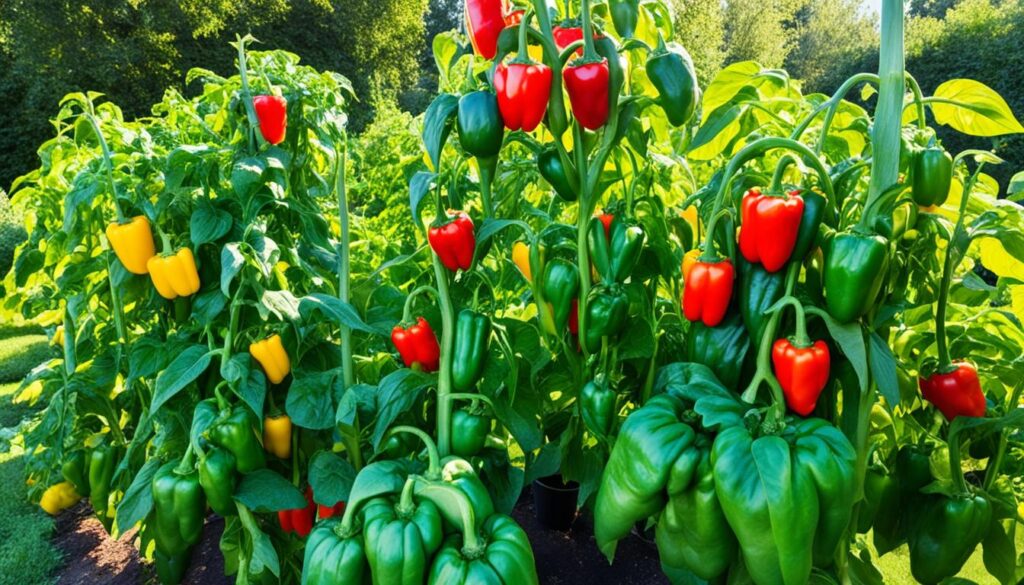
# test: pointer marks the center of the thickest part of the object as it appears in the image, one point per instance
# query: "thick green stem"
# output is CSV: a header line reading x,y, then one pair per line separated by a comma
x,y
557,121
801,338
108,163
436,491
406,505
918,102
589,52
229,339
70,358
945,363
832,103
250,109
583,219
885,133
992,470
407,311
444,378
487,169
953,443
348,375
433,456
188,462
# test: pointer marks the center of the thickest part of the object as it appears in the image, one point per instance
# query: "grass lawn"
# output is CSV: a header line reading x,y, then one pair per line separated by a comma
x,y
26,555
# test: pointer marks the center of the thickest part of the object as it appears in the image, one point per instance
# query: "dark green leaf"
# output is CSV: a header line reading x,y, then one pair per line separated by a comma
x,y
266,491
331,478
180,373
138,498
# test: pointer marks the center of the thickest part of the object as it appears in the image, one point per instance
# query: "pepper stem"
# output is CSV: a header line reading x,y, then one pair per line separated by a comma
x,y
801,338
589,52
188,462
953,443
407,311
433,457
524,26
709,254
468,396
165,243
406,505
945,363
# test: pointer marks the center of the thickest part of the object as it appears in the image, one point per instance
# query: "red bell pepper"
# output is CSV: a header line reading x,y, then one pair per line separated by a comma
x,y
587,84
272,114
417,345
485,19
299,520
606,221
955,393
769,226
566,34
708,290
523,87
802,373
454,241
325,512
514,16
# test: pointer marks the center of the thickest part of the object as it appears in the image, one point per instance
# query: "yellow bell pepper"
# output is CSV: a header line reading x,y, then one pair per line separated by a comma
x,y
277,436
174,275
689,259
133,243
272,357
59,497
521,258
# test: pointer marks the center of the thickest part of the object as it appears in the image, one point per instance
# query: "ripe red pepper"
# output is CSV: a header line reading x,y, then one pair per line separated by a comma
x,y
566,34
708,290
325,512
802,373
769,226
417,345
587,84
272,113
606,221
299,520
485,19
523,88
955,393
514,17
454,241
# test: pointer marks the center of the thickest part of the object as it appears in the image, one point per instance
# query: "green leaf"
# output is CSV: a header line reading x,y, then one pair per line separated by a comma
x,y
850,340
883,368
208,305
267,491
247,176
547,462
264,555
999,553
138,498
437,124
331,478
281,303
231,263
716,132
148,356
419,187
309,402
336,310
396,393
249,382
180,373
727,83
689,382
973,108
382,477
208,223
720,412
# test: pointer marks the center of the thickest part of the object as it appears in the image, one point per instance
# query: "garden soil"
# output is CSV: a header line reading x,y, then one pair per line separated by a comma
x,y
563,558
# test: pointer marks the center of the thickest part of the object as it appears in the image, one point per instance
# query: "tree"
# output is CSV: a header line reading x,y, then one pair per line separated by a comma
x,y
699,26
830,32
760,30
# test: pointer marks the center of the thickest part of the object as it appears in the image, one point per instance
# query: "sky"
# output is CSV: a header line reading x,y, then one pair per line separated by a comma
x,y
873,5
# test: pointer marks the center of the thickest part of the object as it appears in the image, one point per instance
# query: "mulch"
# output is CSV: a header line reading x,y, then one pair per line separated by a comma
x,y
91,557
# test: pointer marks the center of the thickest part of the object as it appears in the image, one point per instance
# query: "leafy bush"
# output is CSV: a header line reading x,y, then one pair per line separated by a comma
x,y
12,233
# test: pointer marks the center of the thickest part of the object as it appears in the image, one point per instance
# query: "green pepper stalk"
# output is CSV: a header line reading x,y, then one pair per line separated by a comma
x,y
948,265
831,105
885,133
918,102
250,110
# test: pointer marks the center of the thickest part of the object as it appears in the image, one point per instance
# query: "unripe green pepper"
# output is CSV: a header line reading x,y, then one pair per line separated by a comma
x,y
235,431
102,463
624,16
76,471
469,432
401,537
758,291
597,407
549,163
481,129
945,535
561,283
606,316
670,69
218,478
855,268
179,510
722,348
932,176
472,332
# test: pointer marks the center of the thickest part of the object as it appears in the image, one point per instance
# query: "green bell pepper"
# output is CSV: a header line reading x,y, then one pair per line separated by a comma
x,y
332,557
179,510
893,226
469,432
561,283
503,557
597,407
881,504
401,537
218,478
932,175
76,471
472,332
911,472
459,473
656,462
789,498
549,163
945,533
815,206
606,316
614,255
481,129
722,348
670,69
758,290
625,14
102,464
692,534
235,431
855,268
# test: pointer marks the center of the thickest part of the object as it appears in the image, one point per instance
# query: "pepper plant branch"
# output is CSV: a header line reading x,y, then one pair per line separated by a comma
x,y
832,102
433,457
885,132
108,162
348,375
918,100
444,378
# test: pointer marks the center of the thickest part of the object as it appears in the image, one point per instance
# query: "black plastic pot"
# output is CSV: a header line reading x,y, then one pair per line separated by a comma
x,y
555,502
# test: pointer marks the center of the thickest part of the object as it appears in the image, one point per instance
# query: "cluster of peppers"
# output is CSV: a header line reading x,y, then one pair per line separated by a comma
x,y
87,473
438,526
173,272
779,499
